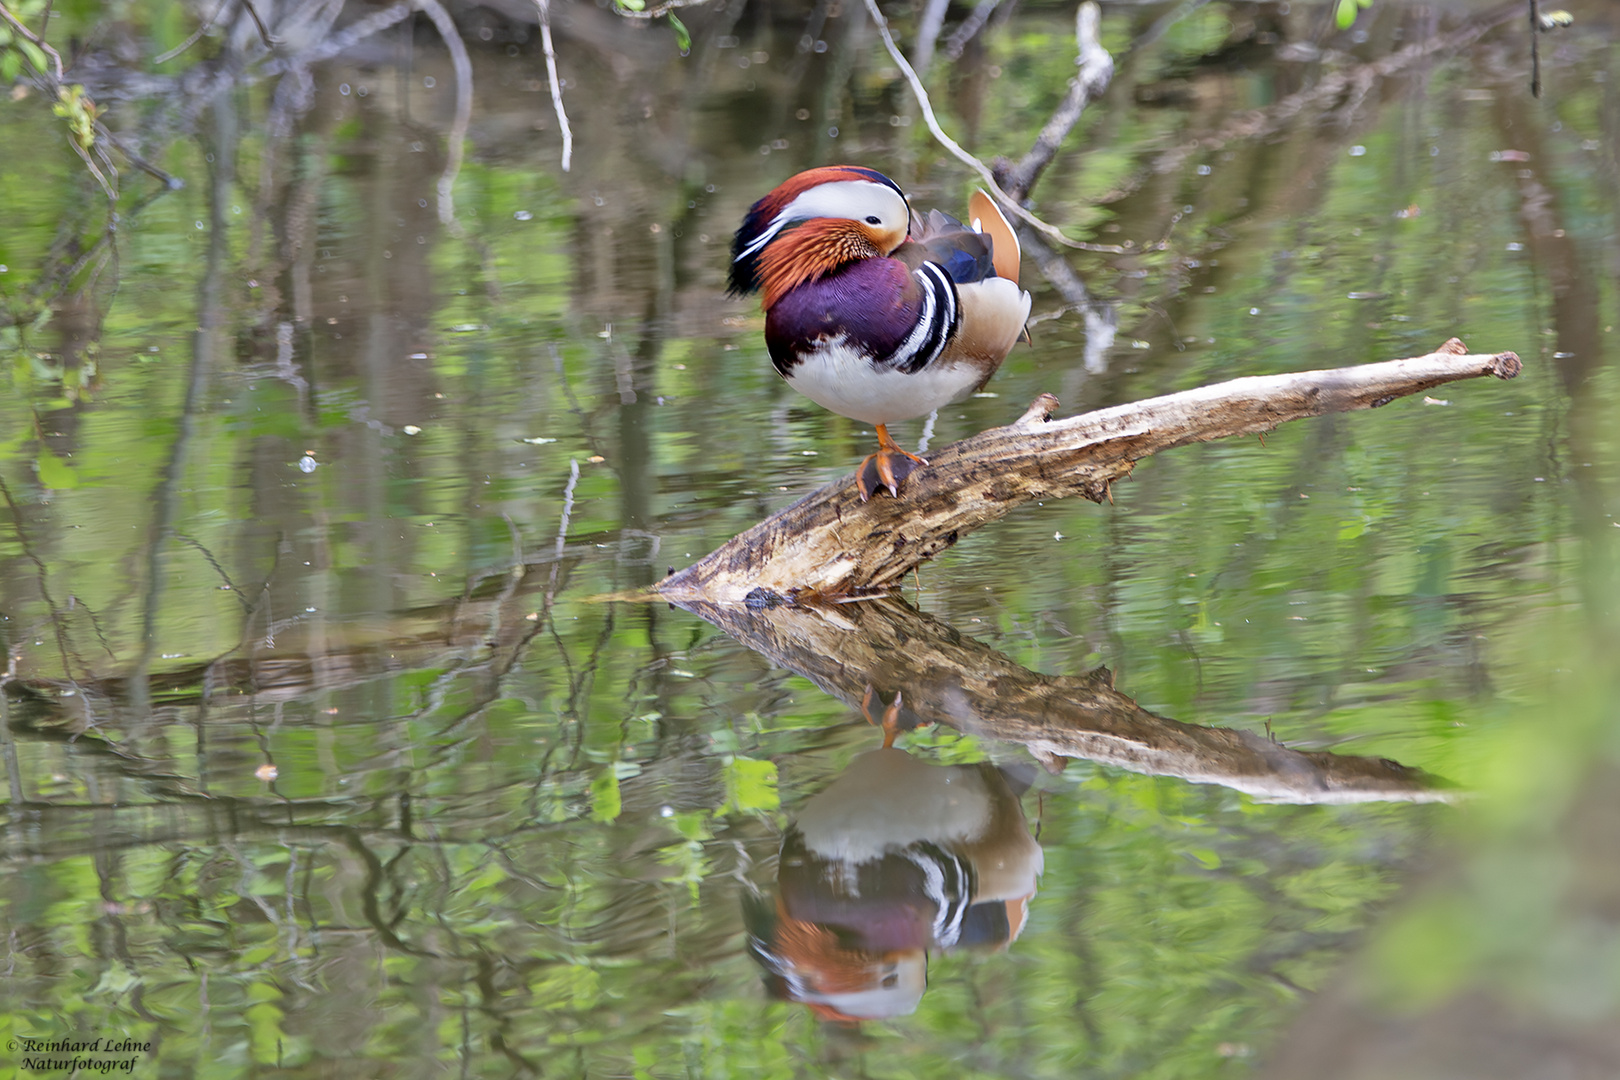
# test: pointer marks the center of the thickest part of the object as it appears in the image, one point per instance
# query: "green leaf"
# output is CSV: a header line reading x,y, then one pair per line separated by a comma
x,y
605,801
10,66
55,473
631,5
34,54
1345,14
751,785
683,36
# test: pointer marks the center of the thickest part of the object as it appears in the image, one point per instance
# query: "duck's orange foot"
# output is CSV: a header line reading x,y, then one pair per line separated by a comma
x,y
888,468
891,715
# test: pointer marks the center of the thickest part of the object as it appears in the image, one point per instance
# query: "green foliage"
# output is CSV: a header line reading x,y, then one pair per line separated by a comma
x,y
750,786
483,847
80,112
1345,12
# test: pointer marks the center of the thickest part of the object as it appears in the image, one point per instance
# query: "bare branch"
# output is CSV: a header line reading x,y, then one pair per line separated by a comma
x,y
194,37
1096,69
464,93
970,26
830,542
1008,203
22,28
556,86
657,10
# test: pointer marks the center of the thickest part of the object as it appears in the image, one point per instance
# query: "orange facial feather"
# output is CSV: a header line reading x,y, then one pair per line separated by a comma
x,y
811,251
829,966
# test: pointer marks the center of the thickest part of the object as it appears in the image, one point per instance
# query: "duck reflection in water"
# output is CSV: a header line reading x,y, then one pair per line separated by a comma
x,y
897,856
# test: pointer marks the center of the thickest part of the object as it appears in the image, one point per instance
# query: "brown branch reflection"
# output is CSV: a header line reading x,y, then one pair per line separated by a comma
x,y
950,679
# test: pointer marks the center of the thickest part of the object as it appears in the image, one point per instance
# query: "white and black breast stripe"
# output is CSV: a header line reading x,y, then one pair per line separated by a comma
x,y
948,882
936,324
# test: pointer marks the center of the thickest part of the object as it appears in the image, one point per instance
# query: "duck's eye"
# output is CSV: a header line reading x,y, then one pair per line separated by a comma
x,y
873,219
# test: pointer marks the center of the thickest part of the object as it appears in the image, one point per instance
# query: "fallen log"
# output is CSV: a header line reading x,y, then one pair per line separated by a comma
x,y
830,543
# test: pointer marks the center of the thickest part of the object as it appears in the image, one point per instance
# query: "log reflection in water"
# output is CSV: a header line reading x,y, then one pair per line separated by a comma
x,y
951,679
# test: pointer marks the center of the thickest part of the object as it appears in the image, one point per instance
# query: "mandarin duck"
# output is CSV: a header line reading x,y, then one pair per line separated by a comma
x,y
895,857
873,312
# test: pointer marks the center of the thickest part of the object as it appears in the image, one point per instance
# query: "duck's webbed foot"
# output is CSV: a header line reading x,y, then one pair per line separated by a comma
x,y
888,468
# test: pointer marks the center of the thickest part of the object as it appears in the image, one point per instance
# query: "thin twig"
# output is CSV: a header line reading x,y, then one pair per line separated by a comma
x,y
464,90
269,40
928,27
341,41
195,36
1008,203
568,505
1535,48
970,26
167,179
556,87
654,12
22,28
106,186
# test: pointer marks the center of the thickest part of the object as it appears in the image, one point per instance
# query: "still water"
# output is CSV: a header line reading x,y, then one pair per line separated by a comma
x,y
336,742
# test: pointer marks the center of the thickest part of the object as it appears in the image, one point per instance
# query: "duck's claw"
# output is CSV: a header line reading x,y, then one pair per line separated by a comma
x,y
888,468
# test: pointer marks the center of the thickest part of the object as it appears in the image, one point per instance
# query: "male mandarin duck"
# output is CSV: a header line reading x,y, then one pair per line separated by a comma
x,y
897,856
874,313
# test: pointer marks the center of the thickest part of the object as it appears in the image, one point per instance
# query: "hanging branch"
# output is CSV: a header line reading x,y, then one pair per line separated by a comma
x,y
556,84
1088,15
1096,71
831,543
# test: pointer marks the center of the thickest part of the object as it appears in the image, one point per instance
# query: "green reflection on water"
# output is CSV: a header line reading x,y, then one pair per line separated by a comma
x,y
511,828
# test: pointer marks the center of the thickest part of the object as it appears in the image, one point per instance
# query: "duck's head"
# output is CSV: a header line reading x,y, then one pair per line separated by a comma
x,y
813,223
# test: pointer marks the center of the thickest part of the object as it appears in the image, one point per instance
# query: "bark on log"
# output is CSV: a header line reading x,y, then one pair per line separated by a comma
x,y
829,542
949,679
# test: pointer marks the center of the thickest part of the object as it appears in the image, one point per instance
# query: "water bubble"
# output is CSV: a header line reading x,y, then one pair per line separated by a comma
x,y
308,464
344,89
1203,170
429,82
524,215
1357,151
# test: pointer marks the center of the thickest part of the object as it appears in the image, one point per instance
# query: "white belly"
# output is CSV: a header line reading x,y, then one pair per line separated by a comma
x,y
838,378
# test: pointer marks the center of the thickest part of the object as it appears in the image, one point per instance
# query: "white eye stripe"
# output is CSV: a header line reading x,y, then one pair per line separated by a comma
x,y
852,199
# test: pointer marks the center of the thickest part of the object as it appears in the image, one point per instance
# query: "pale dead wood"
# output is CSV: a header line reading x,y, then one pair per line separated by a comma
x,y
830,542
949,679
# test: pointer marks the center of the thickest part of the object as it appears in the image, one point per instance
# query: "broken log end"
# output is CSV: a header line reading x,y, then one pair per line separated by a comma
x,y
1039,412
1505,365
